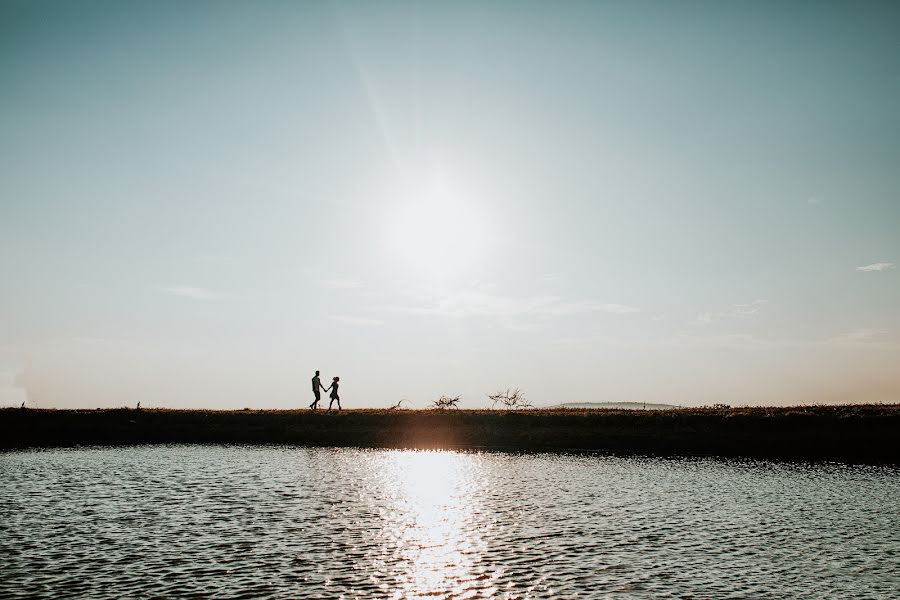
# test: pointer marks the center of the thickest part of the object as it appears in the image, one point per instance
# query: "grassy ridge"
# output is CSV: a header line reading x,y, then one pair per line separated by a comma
x,y
867,433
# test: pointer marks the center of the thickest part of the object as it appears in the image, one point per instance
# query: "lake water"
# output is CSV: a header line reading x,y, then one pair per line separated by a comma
x,y
255,522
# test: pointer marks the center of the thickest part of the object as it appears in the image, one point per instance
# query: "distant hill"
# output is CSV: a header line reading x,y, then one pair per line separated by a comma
x,y
617,405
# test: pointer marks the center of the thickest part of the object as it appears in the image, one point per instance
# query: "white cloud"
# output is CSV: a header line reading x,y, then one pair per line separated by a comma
x,y
857,335
185,291
813,200
735,312
863,336
482,304
731,340
340,283
349,320
880,266
558,307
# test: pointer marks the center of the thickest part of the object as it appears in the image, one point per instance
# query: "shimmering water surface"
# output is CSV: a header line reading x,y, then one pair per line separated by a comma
x,y
239,522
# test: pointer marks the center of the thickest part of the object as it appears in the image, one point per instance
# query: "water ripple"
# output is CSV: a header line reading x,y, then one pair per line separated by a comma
x,y
247,522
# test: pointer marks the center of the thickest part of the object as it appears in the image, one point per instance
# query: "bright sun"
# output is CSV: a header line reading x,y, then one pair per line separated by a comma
x,y
437,233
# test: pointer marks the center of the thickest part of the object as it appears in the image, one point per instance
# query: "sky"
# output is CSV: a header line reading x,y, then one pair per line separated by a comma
x,y
202,203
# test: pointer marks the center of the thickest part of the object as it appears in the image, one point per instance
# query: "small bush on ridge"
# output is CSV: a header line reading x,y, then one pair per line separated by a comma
x,y
509,399
445,402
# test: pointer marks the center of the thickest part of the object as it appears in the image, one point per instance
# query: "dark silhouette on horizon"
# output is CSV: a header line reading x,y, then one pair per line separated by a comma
x,y
316,387
334,393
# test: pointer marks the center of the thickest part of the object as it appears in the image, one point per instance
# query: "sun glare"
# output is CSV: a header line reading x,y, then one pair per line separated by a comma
x,y
437,233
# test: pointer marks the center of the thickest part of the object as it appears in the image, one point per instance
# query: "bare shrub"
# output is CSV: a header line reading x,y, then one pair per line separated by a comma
x,y
509,399
399,404
445,402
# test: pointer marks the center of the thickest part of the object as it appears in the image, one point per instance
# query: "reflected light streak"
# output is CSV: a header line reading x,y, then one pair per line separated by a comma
x,y
427,527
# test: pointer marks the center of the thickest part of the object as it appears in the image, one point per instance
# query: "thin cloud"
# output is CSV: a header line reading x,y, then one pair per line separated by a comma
x,y
813,200
350,320
873,339
616,309
737,311
730,340
214,259
341,283
185,291
879,266
863,337
121,343
482,304
590,340
93,340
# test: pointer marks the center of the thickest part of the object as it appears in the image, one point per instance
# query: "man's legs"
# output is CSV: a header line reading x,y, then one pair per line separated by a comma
x,y
315,403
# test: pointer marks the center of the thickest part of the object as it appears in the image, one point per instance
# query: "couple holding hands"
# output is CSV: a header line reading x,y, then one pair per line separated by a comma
x,y
317,385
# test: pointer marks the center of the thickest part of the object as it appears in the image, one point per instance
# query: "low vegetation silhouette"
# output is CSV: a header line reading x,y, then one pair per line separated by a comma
x,y
867,432
509,399
445,402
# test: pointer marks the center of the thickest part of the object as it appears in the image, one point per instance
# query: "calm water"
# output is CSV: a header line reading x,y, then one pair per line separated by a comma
x,y
238,522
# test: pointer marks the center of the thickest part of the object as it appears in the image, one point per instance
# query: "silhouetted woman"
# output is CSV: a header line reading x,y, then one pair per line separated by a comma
x,y
334,393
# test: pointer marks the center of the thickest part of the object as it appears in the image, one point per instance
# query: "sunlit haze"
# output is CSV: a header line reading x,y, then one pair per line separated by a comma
x,y
202,203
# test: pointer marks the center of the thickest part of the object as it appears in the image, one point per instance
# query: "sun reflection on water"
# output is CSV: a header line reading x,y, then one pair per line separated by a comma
x,y
426,526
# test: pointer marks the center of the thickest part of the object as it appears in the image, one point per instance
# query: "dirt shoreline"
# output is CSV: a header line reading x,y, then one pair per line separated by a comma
x,y
844,433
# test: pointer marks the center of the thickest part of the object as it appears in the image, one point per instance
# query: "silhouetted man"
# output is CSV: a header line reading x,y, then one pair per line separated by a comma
x,y
317,386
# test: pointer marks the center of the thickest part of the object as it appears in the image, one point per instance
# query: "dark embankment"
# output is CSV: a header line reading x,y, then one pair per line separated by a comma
x,y
865,433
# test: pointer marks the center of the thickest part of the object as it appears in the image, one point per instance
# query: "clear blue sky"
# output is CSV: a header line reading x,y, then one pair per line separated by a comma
x,y
203,202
